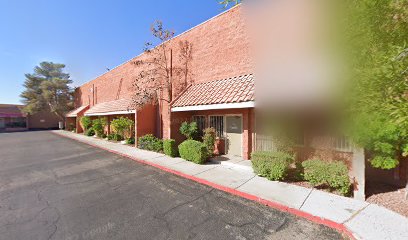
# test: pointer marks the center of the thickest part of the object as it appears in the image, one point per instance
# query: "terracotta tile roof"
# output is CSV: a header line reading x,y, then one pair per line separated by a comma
x,y
11,110
75,112
112,106
231,90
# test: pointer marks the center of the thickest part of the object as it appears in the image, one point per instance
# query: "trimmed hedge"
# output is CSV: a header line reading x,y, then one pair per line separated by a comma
x,y
151,143
272,165
193,151
170,147
332,174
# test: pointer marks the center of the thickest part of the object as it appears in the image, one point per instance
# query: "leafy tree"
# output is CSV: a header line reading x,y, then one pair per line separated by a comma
x,y
48,88
378,33
189,130
86,122
122,126
99,126
379,89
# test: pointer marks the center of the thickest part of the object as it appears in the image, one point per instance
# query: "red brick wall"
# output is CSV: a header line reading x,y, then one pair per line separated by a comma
x,y
146,119
220,49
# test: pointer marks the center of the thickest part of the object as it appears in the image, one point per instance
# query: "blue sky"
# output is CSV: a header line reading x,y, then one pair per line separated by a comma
x,y
87,36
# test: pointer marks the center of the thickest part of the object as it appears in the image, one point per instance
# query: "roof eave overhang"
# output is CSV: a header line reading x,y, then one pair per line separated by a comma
x,y
249,104
110,113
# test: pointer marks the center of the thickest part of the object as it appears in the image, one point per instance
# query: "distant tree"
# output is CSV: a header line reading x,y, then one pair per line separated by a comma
x,y
159,74
48,88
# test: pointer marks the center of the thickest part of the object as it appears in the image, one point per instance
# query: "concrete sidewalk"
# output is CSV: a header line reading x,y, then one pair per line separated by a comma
x,y
360,219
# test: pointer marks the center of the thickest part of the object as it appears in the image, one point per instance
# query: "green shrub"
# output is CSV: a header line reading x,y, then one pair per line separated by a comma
x,y
123,126
170,147
151,143
99,126
86,122
103,135
193,151
130,140
209,140
189,130
115,137
90,132
272,165
332,174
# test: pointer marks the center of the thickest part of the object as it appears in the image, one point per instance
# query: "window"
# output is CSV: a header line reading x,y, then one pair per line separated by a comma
x,y
343,144
201,123
217,122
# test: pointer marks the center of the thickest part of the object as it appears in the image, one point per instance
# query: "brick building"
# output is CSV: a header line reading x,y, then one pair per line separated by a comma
x,y
220,95
110,94
12,118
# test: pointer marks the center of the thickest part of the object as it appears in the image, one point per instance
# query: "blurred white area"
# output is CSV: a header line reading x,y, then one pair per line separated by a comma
x,y
296,65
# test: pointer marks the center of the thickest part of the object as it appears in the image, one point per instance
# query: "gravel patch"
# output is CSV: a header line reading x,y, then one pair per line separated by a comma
x,y
388,196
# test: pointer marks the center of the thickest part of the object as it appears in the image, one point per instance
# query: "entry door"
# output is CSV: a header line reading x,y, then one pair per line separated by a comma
x,y
2,123
234,135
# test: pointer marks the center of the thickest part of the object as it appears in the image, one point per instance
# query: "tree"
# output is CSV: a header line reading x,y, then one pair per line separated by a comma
x,y
48,88
98,126
86,122
378,35
123,126
160,79
189,130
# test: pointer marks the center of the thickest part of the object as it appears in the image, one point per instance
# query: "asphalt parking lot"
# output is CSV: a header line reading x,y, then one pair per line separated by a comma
x,y
55,188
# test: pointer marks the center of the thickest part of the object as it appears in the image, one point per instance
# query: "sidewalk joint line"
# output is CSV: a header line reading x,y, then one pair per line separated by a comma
x,y
356,213
246,181
308,195
204,171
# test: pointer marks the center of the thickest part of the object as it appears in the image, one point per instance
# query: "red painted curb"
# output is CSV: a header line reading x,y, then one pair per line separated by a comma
x,y
329,223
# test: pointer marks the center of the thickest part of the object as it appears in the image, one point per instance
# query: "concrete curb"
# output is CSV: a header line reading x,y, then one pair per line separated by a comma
x,y
355,224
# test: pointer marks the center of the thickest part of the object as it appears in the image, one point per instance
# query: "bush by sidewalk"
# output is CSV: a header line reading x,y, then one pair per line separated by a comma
x,y
99,126
130,141
193,151
90,132
209,140
170,147
115,137
332,174
272,165
151,143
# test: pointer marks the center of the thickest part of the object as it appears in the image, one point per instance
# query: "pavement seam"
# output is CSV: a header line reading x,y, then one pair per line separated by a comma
x,y
308,195
205,171
356,213
246,182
